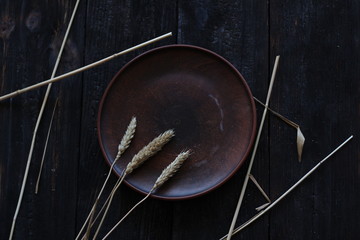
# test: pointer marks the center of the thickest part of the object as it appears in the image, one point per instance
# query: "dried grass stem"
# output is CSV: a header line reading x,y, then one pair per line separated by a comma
x,y
82,69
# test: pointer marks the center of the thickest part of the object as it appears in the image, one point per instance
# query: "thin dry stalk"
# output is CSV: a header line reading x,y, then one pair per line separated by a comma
x,y
117,185
166,174
145,153
254,150
251,220
132,209
79,70
39,119
45,148
108,204
124,144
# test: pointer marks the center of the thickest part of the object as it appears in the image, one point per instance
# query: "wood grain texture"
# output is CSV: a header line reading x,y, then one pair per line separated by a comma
x,y
238,31
319,89
317,86
29,54
113,26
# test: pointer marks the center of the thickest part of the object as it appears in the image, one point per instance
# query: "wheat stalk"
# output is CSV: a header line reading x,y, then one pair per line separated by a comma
x,y
145,153
166,174
117,184
124,144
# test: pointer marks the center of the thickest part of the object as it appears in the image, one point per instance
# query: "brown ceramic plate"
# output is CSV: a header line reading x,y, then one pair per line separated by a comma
x,y
193,91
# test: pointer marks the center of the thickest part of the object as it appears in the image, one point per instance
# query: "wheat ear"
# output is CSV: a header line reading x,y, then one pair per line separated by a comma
x,y
149,150
124,144
145,153
167,173
126,140
171,169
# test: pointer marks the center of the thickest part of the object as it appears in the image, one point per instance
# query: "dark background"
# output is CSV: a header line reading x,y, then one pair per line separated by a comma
x,y
317,86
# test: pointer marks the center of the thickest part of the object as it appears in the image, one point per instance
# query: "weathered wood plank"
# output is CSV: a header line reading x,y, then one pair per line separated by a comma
x,y
113,26
317,88
28,57
237,31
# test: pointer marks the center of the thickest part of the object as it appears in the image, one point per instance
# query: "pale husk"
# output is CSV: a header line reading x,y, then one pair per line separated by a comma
x,y
171,169
128,136
149,150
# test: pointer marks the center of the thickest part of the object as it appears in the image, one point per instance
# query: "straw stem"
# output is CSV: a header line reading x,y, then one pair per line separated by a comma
x,y
79,70
254,150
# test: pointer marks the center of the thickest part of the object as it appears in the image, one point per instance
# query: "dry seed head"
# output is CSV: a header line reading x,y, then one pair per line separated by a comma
x,y
126,139
128,136
149,150
171,169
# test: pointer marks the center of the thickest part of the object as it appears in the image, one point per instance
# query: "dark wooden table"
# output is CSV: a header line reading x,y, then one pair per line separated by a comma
x,y
317,86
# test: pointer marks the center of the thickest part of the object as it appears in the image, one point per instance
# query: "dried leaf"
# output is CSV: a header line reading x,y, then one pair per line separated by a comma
x,y
262,192
300,140
252,178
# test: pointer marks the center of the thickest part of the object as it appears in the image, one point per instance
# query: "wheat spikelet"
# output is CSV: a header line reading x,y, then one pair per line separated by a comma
x,y
128,136
149,150
171,169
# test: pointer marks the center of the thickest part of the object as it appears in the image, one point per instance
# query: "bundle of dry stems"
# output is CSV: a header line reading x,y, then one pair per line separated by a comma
x,y
138,159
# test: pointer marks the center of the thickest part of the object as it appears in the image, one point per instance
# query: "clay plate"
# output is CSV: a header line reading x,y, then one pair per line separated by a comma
x,y
193,91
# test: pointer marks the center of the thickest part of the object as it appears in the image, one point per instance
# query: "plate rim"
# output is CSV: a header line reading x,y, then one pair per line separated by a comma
x,y
234,170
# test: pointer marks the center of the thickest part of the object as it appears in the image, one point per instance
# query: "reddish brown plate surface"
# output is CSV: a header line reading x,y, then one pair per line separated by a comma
x,y
193,91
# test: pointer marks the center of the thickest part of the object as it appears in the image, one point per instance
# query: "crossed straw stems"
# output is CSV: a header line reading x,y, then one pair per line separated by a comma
x,y
49,82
